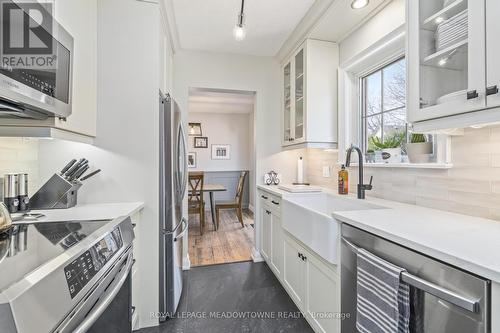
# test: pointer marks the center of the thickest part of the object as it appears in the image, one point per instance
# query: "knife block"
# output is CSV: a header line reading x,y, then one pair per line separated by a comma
x,y
56,193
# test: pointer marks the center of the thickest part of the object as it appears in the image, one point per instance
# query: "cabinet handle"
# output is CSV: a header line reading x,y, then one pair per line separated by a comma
x,y
264,197
268,211
304,258
299,255
491,90
276,203
472,94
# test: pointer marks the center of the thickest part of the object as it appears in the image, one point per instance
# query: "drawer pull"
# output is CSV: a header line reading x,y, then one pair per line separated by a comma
x,y
264,197
274,202
472,94
493,90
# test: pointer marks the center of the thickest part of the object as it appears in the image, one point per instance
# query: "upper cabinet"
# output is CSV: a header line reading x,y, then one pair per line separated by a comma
x,y
452,57
309,116
79,18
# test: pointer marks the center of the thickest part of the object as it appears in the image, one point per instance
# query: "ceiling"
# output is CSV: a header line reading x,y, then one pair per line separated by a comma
x,y
220,101
340,20
208,24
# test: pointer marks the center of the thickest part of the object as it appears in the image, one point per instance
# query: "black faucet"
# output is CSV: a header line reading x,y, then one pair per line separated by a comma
x,y
361,187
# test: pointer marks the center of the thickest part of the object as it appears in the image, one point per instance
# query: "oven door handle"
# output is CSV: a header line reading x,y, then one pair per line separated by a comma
x,y
454,298
106,301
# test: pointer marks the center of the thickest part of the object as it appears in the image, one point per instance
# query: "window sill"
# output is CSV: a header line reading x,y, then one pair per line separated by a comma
x,y
407,165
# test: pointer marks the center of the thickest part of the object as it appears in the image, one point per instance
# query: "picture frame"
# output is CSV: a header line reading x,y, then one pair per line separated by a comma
x,y
195,129
191,160
200,142
221,152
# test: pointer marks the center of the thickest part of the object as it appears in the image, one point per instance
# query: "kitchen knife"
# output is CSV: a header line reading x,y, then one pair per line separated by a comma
x,y
80,171
91,174
77,171
73,161
75,167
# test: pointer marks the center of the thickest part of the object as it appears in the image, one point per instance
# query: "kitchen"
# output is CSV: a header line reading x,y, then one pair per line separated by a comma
x,y
324,74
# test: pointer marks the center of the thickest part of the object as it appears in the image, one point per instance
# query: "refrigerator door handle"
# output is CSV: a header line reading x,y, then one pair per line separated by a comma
x,y
184,230
171,232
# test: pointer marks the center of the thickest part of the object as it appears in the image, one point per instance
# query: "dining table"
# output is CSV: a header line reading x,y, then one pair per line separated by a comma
x,y
211,189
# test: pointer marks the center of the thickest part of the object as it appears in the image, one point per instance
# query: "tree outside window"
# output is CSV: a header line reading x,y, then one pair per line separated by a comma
x,y
384,105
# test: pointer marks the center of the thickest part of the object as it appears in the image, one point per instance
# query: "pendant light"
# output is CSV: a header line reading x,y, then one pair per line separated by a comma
x,y
239,31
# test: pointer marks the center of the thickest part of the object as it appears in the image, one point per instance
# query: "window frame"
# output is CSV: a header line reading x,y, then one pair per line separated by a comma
x,y
381,53
362,102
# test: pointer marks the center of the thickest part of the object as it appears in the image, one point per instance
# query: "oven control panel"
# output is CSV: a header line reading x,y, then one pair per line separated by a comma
x,y
81,270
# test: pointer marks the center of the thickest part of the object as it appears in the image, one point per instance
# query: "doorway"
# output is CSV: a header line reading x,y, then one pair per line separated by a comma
x,y
221,155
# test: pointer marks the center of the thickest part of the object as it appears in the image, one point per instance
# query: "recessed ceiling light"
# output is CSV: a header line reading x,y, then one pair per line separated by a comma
x,y
439,19
239,31
358,4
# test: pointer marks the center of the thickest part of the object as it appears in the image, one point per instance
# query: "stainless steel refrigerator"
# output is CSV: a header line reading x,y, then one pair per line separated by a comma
x,y
173,182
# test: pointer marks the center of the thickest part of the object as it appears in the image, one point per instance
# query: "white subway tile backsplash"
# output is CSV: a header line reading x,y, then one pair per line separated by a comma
x,y
20,155
471,187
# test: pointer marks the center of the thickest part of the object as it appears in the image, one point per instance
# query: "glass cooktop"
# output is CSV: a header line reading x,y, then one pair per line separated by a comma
x,y
27,246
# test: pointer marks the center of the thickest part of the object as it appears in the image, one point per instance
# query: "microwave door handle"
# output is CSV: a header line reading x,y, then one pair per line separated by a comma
x,y
9,107
431,288
103,305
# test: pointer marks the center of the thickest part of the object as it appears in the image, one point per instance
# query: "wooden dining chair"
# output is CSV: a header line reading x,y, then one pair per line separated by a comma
x,y
196,205
236,204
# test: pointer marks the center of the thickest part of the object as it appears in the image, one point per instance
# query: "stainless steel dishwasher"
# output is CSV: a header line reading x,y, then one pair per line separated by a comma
x,y
445,299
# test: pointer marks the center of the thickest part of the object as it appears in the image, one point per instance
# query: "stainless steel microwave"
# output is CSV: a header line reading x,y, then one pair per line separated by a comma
x,y
35,80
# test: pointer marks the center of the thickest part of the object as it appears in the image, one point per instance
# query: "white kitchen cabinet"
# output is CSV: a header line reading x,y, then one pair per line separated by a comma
x,y
309,104
452,82
266,233
79,18
492,53
446,75
313,285
272,232
277,244
323,296
294,272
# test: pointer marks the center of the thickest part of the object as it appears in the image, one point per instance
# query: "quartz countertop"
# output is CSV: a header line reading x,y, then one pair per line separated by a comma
x,y
85,212
467,242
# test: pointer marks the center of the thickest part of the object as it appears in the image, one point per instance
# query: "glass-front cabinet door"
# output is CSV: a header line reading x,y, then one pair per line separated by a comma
x,y
492,53
446,57
298,119
287,103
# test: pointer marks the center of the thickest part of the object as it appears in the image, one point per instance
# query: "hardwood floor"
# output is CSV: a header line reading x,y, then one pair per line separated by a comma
x,y
231,243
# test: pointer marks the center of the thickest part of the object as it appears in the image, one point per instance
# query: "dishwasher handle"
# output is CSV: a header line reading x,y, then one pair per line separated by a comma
x,y
106,301
431,288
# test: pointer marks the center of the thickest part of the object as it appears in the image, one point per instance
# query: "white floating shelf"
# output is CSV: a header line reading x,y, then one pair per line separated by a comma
x,y
447,12
457,62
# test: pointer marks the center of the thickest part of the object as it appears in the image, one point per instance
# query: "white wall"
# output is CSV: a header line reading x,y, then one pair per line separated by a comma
x,y
126,146
387,20
223,128
19,155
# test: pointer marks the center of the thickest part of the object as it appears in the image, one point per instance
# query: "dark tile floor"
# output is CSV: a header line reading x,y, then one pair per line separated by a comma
x,y
220,290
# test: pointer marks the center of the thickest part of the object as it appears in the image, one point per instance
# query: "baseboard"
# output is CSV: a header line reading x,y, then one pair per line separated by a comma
x,y
186,263
256,256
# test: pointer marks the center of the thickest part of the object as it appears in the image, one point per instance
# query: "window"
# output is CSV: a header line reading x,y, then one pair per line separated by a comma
x,y
383,101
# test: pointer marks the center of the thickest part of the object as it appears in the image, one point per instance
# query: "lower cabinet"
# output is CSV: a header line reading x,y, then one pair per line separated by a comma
x,y
294,276
266,219
313,285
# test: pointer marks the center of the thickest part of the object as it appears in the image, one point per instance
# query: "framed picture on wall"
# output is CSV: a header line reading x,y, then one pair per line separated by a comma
x,y
221,152
201,142
191,160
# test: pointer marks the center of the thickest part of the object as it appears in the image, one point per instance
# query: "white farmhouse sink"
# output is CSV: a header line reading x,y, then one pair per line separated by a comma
x,y
308,217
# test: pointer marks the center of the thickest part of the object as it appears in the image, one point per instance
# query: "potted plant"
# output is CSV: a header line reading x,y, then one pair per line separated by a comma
x,y
419,150
391,147
370,156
